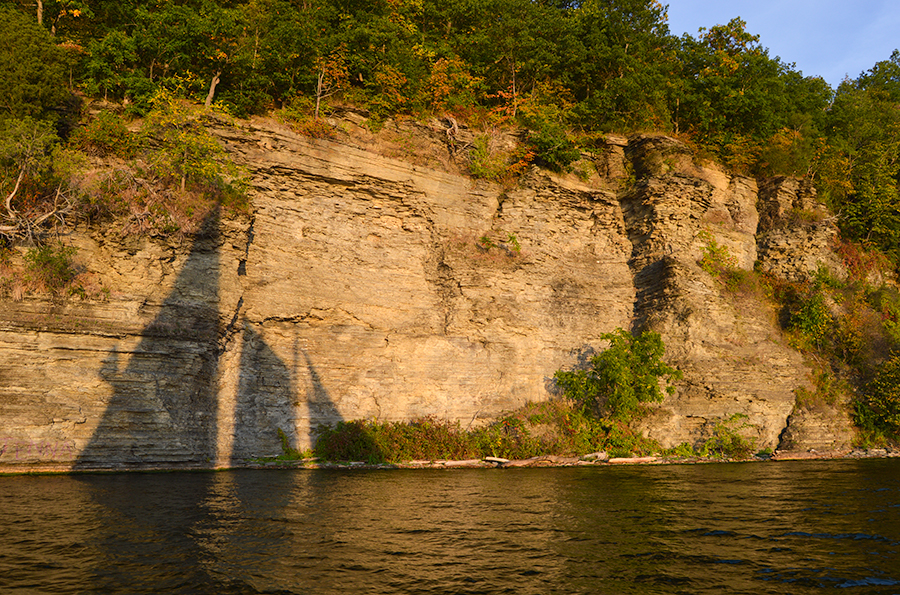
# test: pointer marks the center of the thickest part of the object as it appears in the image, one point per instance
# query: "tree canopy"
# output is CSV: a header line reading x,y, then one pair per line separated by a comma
x,y
31,67
567,71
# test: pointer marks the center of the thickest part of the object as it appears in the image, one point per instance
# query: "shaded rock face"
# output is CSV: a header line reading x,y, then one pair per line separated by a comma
x,y
363,286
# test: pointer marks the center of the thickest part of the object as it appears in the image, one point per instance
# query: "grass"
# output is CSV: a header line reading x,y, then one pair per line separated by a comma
x,y
557,427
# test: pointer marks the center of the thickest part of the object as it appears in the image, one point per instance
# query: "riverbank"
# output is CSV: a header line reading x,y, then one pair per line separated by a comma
x,y
599,459
591,460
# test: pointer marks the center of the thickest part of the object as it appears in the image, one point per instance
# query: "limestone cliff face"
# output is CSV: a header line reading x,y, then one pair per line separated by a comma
x,y
366,286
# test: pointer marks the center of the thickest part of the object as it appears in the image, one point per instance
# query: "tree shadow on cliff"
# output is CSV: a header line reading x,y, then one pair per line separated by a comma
x,y
266,421
163,408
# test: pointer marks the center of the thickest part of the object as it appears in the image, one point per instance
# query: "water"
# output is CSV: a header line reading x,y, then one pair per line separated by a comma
x,y
789,527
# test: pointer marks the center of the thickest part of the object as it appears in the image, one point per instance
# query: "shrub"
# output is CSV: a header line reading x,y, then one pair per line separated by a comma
x,y
727,440
715,257
552,147
107,134
878,412
485,162
559,427
188,155
812,320
622,378
379,442
719,262
298,114
349,441
51,267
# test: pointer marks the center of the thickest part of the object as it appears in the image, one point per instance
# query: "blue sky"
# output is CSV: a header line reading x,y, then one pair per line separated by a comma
x,y
827,38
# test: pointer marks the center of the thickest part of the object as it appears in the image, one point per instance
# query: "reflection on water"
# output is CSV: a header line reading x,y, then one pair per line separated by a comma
x,y
754,528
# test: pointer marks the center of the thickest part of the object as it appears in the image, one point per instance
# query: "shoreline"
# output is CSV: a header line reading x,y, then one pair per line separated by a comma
x,y
545,461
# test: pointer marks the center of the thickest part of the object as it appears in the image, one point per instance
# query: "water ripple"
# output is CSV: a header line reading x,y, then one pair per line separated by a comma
x,y
700,529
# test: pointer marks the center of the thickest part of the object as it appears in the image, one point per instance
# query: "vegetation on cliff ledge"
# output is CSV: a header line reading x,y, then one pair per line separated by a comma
x,y
593,413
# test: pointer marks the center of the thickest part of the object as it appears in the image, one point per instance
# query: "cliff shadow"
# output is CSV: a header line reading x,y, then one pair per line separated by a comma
x,y
273,391
264,416
163,407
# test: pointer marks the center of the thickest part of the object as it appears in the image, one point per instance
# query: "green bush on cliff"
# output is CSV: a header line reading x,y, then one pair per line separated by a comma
x,y
622,378
52,268
106,134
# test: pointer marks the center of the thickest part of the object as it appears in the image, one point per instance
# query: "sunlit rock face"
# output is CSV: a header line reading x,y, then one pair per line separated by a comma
x,y
393,287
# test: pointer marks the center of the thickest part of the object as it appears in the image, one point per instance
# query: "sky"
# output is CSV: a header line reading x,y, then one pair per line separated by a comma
x,y
827,38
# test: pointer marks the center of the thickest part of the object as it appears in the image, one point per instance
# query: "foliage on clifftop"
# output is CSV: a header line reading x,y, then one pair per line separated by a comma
x,y
566,71
164,179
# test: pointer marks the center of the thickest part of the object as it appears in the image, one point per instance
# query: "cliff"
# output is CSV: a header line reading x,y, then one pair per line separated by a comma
x,y
373,280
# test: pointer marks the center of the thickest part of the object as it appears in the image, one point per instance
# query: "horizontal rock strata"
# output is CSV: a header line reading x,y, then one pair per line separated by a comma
x,y
366,286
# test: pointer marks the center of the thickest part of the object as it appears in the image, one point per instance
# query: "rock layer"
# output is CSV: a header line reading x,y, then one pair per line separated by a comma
x,y
365,286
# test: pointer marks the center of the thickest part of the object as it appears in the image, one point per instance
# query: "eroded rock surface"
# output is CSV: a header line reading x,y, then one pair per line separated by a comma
x,y
366,286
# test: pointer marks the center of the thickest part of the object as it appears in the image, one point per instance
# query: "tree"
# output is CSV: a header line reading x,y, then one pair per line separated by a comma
x,y
878,410
883,77
863,127
32,73
109,61
188,154
736,97
194,43
621,378
30,165
331,76
624,73
512,45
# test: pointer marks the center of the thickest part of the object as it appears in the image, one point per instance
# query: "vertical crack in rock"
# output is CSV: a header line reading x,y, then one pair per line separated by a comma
x,y
440,275
723,339
228,332
242,263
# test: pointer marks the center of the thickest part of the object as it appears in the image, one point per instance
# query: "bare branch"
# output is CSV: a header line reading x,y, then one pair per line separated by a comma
x,y
9,209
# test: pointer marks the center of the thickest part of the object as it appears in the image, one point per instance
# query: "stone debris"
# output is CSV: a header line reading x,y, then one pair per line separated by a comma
x,y
632,460
596,456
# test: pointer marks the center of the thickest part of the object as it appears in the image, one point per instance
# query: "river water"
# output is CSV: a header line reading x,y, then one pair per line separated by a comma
x,y
787,527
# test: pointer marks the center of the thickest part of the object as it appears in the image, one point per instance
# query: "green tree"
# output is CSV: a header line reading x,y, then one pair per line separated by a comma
x,y
187,153
513,45
32,74
25,146
624,72
863,127
736,97
621,378
109,61
878,411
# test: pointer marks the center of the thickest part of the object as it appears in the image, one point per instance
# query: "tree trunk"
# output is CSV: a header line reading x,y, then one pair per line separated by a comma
x,y
319,91
212,88
40,12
